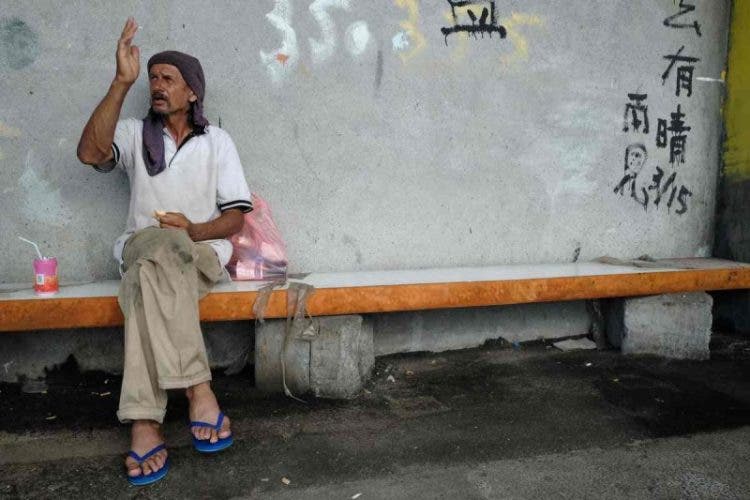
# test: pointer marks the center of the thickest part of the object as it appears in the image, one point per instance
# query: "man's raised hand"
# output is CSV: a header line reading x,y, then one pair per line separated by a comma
x,y
128,55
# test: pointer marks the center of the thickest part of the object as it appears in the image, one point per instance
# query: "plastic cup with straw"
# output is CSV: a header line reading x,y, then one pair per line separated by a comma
x,y
45,272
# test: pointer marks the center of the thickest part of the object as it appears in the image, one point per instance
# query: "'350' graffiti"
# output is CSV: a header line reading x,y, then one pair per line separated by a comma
x,y
283,60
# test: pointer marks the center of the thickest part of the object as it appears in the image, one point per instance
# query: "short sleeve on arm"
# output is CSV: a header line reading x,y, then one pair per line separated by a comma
x,y
123,146
231,187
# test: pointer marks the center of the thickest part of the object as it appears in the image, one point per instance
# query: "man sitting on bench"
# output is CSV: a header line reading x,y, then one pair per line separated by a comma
x,y
188,194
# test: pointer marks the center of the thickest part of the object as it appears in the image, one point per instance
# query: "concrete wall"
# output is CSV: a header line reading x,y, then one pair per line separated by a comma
x,y
379,141
437,331
27,355
230,344
382,142
733,229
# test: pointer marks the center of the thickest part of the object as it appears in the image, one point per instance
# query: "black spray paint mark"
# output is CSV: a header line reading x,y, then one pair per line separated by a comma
x,y
685,8
635,159
19,45
636,113
662,187
576,253
379,70
684,72
678,141
482,16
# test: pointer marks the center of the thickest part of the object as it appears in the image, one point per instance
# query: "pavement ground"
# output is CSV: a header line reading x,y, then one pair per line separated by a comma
x,y
493,422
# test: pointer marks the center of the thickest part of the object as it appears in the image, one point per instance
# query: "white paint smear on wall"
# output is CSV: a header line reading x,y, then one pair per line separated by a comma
x,y
281,61
400,41
322,49
357,37
42,204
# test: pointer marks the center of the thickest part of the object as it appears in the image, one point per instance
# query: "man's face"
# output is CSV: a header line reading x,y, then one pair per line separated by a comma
x,y
169,92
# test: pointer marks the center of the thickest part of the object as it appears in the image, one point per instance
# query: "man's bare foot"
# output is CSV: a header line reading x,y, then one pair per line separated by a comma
x,y
205,408
145,436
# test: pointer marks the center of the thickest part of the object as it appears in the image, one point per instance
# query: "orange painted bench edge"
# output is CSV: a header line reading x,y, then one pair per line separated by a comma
x,y
28,315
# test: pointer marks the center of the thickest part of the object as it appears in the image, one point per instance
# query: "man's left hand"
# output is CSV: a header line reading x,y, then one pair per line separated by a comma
x,y
175,220
224,226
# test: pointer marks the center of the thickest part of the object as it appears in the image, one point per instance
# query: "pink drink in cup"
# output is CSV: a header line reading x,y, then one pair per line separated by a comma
x,y
45,276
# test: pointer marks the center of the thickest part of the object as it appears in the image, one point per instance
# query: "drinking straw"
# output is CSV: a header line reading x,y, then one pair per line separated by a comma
x,y
36,247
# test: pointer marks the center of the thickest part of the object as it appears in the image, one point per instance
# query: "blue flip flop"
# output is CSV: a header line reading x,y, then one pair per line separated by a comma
x,y
142,479
205,445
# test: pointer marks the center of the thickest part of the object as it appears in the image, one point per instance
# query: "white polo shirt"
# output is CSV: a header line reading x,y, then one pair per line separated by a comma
x,y
203,178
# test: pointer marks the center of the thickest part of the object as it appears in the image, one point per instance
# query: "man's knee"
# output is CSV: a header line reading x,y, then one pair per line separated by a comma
x,y
178,243
153,241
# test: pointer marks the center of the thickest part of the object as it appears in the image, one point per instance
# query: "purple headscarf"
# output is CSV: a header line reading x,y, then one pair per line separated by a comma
x,y
153,139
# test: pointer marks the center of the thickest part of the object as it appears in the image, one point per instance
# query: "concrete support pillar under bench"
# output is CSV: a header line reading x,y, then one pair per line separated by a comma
x,y
674,325
331,357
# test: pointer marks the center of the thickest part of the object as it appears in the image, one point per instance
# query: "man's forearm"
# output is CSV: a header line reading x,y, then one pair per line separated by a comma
x,y
95,146
227,224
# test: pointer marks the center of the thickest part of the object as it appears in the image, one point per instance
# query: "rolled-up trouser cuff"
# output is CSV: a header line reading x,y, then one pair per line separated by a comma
x,y
184,382
127,415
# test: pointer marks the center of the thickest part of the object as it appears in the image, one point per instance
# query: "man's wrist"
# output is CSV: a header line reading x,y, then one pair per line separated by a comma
x,y
194,231
120,87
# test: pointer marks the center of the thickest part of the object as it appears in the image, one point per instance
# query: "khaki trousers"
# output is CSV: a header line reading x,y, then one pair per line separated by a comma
x,y
166,273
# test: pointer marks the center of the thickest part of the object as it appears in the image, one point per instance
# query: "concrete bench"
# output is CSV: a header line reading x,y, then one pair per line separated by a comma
x,y
95,304
337,358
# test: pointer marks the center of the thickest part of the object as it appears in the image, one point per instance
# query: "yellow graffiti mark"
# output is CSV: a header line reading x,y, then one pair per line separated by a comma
x,y
511,25
8,132
737,145
520,45
410,26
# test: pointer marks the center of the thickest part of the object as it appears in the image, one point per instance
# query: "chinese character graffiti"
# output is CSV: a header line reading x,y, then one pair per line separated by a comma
x,y
673,21
636,113
684,72
665,189
678,140
635,159
480,13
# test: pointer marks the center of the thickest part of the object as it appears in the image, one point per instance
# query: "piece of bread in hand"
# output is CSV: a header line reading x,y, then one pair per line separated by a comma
x,y
159,213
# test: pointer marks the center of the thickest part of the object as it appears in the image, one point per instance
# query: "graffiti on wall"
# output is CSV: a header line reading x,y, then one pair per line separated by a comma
x,y
679,21
471,19
474,17
282,61
278,62
411,41
635,158
672,134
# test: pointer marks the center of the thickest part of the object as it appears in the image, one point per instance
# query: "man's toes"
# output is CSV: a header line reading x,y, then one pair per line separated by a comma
x,y
202,433
134,470
151,465
225,431
214,436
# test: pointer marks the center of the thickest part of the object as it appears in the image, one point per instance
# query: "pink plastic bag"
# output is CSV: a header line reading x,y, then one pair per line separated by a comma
x,y
259,252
